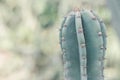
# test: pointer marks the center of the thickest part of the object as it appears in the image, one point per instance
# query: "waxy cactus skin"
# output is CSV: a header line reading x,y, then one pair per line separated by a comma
x,y
83,43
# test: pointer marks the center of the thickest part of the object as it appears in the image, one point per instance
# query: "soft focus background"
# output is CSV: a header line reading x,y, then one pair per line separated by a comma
x,y
29,37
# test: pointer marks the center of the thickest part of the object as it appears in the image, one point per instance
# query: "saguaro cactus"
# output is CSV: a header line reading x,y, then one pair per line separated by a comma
x,y
83,43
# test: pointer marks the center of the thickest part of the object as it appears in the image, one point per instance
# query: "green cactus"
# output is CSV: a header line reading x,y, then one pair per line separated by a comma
x,y
83,43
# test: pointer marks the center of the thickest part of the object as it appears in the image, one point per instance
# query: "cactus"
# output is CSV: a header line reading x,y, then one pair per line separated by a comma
x,y
83,43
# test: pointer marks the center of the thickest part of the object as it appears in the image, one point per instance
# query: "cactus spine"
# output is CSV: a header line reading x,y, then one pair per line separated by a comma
x,y
83,43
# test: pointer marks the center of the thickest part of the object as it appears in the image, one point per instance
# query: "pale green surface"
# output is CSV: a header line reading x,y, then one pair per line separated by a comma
x,y
87,44
93,44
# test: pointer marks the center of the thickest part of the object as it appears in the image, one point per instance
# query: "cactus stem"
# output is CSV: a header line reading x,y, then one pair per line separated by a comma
x,y
100,59
83,42
64,50
84,75
84,58
102,75
85,67
68,63
78,16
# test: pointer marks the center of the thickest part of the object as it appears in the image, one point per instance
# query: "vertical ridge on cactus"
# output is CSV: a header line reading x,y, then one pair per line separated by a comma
x,y
81,45
94,42
83,42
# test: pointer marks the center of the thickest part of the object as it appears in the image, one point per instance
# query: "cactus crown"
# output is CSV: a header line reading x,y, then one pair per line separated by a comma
x,y
83,43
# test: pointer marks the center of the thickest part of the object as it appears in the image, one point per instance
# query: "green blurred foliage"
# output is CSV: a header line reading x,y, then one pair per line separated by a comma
x,y
50,14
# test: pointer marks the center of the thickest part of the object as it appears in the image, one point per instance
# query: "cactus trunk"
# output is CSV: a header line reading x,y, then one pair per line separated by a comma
x,y
83,42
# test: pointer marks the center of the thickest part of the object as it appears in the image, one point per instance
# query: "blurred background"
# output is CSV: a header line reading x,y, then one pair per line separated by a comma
x,y
29,37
